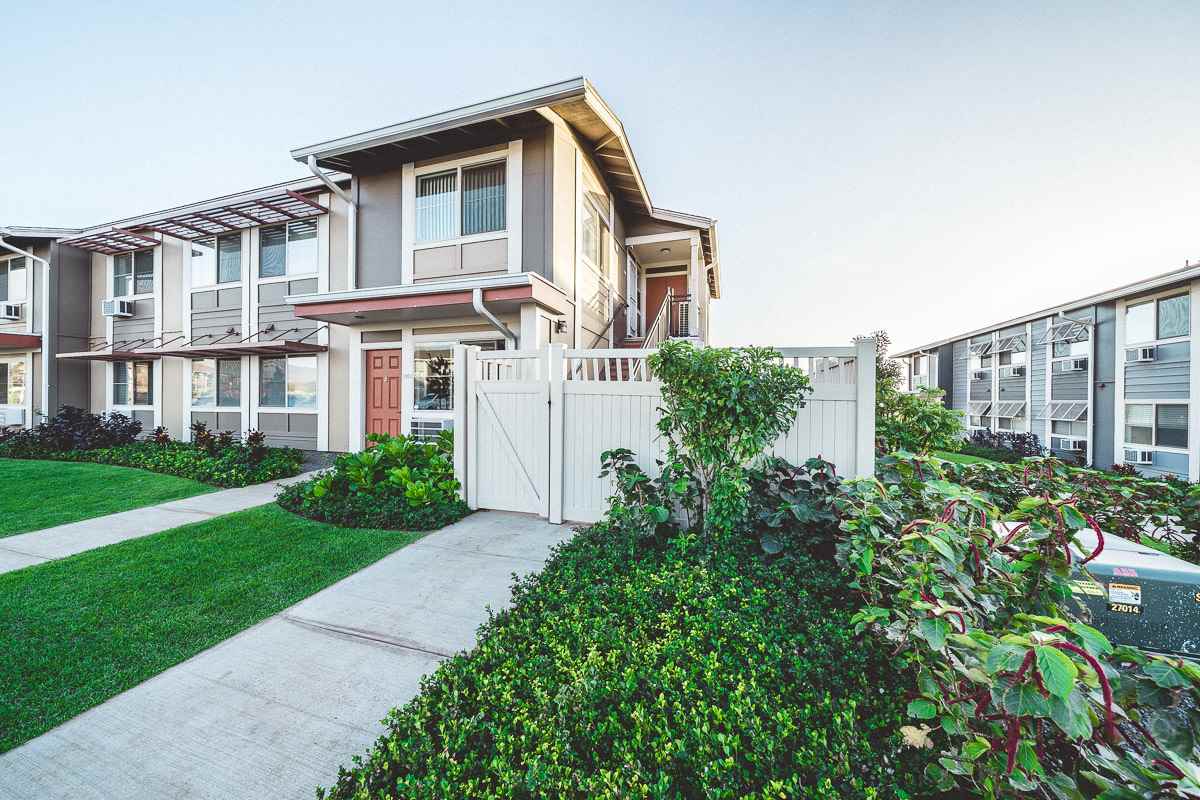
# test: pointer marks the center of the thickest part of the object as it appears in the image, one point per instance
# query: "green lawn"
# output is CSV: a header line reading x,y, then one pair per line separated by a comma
x,y
80,630
42,494
961,458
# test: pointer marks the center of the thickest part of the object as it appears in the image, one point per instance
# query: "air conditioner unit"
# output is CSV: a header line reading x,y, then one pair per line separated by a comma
x,y
1139,456
1012,372
1076,445
117,308
427,430
11,416
979,375
1141,354
1077,365
10,311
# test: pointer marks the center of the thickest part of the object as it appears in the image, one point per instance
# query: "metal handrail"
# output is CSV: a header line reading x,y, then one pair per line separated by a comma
x,y
659,330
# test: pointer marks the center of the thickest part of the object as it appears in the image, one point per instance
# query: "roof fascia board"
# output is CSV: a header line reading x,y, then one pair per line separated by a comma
x,y
31,232
446,120
1149,284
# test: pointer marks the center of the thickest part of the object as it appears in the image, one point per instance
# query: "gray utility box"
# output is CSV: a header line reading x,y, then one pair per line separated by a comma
x,y
1141,597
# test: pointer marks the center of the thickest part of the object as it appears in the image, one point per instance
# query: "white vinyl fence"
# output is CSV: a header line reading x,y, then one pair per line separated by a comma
x,y
530,425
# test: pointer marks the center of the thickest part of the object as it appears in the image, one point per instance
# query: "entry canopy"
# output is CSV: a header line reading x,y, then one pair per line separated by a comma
x,y
190,225
19,341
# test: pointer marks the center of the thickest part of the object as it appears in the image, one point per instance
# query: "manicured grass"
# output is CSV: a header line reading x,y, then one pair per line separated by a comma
x,y
961,458
42,494
80,630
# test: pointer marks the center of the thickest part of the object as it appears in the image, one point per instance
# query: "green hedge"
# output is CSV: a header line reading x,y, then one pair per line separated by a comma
x,y
656,670
228,467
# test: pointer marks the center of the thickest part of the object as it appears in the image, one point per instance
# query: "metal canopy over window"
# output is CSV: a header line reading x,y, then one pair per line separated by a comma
x,y
218,347
275,210
1066,331
1010,408
979,408
1065,412
1014,344
113,241
981,348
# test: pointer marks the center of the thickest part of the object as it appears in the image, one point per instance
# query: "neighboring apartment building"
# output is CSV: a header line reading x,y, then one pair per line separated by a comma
x,y
1109,378
324,309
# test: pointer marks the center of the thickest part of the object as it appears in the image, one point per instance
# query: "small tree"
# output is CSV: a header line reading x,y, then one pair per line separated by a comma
x,y
919,421
722,407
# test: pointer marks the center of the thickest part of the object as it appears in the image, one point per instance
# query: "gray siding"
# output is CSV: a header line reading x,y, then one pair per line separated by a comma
x,y
537,207
147,420
1012,389
70,319
1104,373
214,313
1067,385
379,216
962,374
273,311
289,430
945,373
220,420
1166,464
1037,382
138,327
1168,377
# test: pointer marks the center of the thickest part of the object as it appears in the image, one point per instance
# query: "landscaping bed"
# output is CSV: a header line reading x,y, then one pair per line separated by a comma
x,y
82,629
398,483
52,493
218,459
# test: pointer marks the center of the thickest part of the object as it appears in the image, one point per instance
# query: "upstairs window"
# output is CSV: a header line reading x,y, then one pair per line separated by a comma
x,y
1167,318
204,261
133,273
12,280
289,249
229,258
444,212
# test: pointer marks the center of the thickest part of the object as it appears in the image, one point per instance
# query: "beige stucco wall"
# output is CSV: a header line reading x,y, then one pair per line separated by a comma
x,y
339,336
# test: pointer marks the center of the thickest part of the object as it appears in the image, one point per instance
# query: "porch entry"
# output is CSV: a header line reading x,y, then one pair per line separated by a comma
x,y
384,373
530,425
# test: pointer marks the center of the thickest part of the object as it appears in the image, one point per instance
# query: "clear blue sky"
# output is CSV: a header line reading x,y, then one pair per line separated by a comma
x,y
922,169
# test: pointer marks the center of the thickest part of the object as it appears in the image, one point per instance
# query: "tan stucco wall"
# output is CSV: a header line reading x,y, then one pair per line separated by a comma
x,y
339,336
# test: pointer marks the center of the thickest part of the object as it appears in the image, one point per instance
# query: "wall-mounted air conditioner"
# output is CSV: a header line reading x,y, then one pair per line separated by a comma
x,y
979,375
1140,354
1139,456
427,430
10,311
1077,365
117,308
1012,372
11,416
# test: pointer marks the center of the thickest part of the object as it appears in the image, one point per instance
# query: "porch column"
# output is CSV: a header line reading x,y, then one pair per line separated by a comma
x,y
695,325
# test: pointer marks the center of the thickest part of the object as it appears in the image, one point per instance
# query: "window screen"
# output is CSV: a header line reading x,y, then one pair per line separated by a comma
x,y
1174,316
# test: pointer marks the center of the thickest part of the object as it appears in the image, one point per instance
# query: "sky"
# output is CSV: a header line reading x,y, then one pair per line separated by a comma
x,y
921,168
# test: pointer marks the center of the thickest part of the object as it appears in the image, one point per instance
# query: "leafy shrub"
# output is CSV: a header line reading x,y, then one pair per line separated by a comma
x,y
398,483
917,422
1017,693
234,465
1020,445
1001,454
635,667
720,408
70,429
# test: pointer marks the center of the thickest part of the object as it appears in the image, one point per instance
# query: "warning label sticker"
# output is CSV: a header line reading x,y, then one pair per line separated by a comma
x,y
1087,587
1125,593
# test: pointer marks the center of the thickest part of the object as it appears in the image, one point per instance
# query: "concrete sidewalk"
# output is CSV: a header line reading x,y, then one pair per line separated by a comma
x,y
48,544
273,711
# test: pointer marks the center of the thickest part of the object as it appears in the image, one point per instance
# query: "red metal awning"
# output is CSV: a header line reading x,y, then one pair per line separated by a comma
x,y
274,210
234,349
110,355
19,341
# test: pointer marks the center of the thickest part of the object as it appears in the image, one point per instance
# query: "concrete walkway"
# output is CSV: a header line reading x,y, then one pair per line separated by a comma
x,y
48,544
273,711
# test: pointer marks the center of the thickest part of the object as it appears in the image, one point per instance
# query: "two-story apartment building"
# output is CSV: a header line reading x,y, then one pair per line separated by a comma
x,y
323,309
1109,378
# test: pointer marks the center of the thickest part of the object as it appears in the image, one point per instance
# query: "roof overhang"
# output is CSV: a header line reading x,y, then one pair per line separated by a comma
x,y
708,240
30,232
501,293
19,341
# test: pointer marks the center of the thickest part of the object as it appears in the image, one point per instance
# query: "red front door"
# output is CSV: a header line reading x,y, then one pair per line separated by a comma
x,y
383,391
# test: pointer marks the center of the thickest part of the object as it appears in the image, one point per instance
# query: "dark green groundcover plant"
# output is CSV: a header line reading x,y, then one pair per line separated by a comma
x,y
397,483
650,667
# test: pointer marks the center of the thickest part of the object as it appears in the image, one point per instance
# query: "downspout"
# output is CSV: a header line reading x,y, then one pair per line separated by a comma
x,y
482,310
45,382
351,219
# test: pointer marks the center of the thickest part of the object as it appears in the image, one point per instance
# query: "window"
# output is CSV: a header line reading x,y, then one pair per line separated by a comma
x,y
1004,423
133,383
918,365
591,238
442,214
1012,358
133,273
1167,318
229,258
217,382
204,261
433,374
1067,428
978,422
12,280
1072,349
1157,425
12,382
288,382
289,249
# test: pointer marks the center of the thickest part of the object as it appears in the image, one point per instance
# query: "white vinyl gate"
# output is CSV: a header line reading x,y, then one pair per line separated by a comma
x,y
530,425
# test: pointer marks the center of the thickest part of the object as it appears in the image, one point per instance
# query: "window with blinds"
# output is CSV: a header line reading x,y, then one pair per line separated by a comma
x,y
435,207
462,202
483,200
1171,426
289,249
